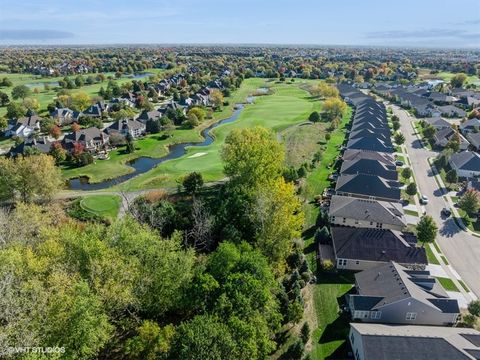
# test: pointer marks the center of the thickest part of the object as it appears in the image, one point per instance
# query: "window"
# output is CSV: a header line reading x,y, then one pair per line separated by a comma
x,y
379,225
344,220
342,262
375,315
352,338
371,223
332,219
411,316
362,314
356,222
357,262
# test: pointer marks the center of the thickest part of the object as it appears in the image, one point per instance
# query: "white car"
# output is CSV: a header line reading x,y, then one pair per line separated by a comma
x,y
424,199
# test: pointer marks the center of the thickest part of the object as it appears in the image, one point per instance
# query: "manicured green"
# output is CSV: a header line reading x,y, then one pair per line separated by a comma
x,y
447,284
106,206
288,105
329,339
430,256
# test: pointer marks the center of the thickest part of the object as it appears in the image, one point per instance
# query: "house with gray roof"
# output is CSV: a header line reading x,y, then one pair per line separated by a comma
x,y
471,125
444,136
353,154
392,294
371,143
364,213
368,186
364,248
92,139
41,145
410,342
451,111
438,123
466,164
370,167
124,127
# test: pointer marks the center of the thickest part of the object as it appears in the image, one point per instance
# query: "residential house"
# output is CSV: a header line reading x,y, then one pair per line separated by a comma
x,y
370,167
40,145
365,248
364,213
444,136
65,116
469,126
124,127
452,111
384,158
368,187
146,115
96,110
438,123
92,139
23,127
410,342
392,294
466,164
370,143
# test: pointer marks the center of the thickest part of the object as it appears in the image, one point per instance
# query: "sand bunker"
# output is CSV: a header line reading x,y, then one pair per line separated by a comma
x,y
197,155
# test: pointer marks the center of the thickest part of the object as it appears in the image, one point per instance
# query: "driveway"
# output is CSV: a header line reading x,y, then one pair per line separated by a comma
x,y
461,248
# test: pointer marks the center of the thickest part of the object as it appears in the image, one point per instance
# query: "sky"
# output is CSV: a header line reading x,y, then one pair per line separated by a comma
x,y
409,23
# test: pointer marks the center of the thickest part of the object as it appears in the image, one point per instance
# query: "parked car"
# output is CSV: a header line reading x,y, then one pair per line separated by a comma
x,y
446,212
399,163
424,199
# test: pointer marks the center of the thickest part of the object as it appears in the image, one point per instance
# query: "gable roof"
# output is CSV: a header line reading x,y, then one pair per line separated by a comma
x,y
407,342
377,245
438,122
370,167
370,143
354,154
393,282
125,124
367,210
368,185
466,160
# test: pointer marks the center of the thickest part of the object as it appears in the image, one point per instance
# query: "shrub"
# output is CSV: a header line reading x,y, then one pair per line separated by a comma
x,y
327,265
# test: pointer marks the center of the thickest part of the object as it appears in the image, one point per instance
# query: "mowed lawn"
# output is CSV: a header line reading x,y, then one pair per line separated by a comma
x,y
330,337
105,206
287,105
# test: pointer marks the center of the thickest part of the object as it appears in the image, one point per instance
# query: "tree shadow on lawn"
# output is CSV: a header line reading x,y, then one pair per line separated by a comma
x,y
338,277
338,331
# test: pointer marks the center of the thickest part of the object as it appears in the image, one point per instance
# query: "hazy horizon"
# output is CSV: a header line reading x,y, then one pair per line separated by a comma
x,y
370,23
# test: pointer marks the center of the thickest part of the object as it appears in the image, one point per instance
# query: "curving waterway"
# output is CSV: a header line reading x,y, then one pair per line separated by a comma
x,y
143,164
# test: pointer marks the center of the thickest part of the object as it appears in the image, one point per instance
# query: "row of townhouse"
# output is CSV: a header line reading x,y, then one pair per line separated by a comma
x,y
394,296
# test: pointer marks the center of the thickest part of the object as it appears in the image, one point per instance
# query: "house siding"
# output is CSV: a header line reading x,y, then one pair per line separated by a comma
x,y
338,220
395,313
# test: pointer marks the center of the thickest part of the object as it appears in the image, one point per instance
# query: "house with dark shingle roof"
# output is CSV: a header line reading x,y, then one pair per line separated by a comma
x,y
371,143
364,213
146,115
370,167
364,248
410,342
438,123
442,138
368,187
124,127
466,164
471,125
452,111
352,154
392,294
92,139
41,145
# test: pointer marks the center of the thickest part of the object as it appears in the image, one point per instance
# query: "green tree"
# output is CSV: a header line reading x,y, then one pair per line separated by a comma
x,y
474,308
305,332
151,341
451,176
314,117
406,173
21,92
205,337
192,183
426,230
252,156
399,138
4,99
15,110
458,80
396,126
334,108
470,202
411,189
